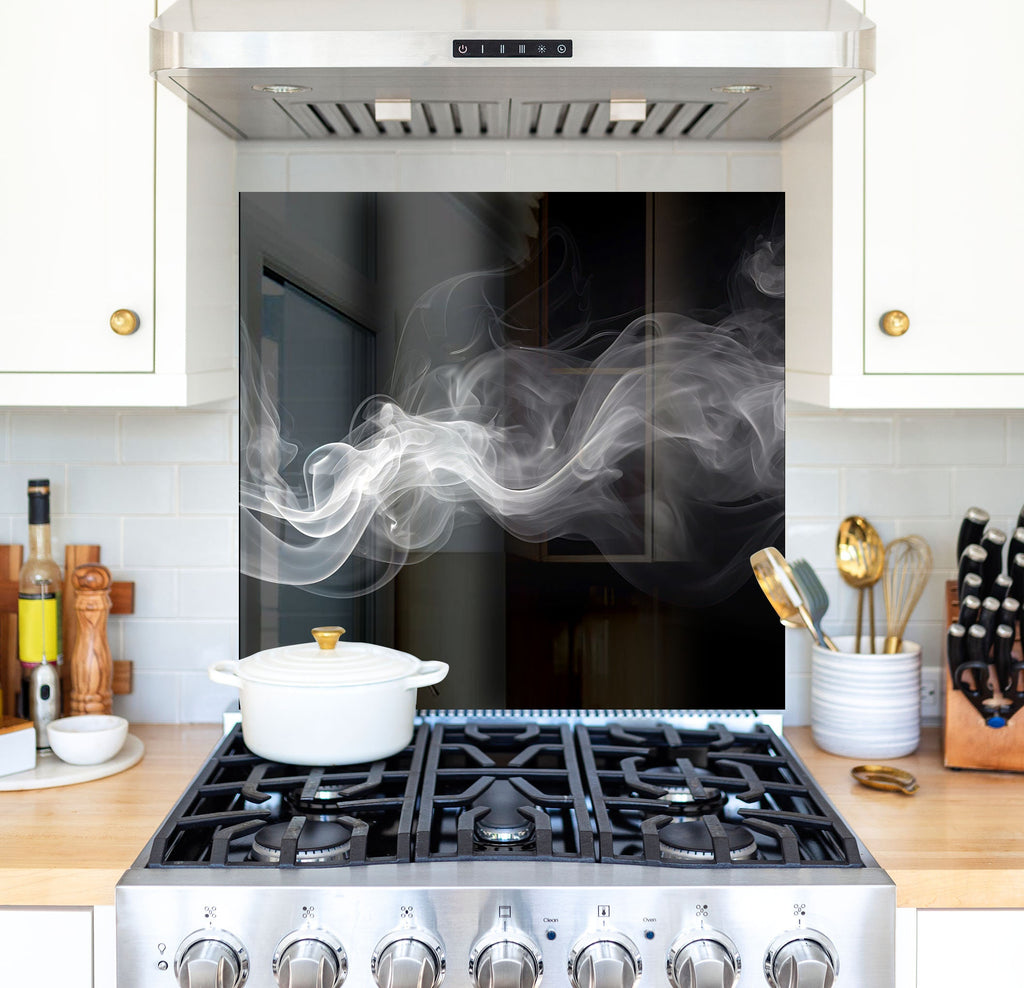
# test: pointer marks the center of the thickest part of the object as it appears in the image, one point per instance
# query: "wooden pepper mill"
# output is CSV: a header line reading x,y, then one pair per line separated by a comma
x,y
92,670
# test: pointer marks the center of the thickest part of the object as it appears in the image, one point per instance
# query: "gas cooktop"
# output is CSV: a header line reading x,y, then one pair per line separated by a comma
x,y
494,851
641,792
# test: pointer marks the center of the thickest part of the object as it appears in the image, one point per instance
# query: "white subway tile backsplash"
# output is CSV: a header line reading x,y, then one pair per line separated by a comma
x,y
896,493
755,172
999,490
966,440
477,172
179,645
76,437
209,490
175,437
156,592
154,699
179,542
812,492
14,478
343,172
565,171
812,540
104,531
673,172
812,440
208,593
261,172
122,490
1015,439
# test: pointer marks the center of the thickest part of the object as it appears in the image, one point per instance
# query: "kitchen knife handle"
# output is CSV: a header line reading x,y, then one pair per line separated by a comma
x,y
972,560
1004,645
993,542
1016,573
988,618
955,650
977,662
1001,586
970,608
971,528
1009,612
1016,545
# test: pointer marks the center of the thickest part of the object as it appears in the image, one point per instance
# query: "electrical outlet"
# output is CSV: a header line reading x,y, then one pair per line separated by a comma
x,y
931,694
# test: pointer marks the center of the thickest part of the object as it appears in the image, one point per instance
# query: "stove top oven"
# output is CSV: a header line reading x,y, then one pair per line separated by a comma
x,y
573,408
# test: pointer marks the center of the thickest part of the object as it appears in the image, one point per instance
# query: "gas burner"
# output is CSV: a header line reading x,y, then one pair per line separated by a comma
x,y
319,843
326,803
691,841
503,824
682,802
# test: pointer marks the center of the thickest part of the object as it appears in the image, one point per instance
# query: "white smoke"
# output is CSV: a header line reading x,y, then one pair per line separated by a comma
x,y
543,441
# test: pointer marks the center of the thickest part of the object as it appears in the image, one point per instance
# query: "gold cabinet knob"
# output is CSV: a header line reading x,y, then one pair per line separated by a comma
x,y
895,323
327,637
124,322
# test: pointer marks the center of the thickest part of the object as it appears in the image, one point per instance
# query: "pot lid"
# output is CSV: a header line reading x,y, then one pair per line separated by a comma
x,y
328,662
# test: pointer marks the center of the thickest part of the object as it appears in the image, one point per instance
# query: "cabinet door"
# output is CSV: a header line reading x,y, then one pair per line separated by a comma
x,y
944,152
76,186
43,946
954,947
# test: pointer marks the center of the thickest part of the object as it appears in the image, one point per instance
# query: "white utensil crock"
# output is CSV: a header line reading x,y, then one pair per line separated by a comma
x,y
328,704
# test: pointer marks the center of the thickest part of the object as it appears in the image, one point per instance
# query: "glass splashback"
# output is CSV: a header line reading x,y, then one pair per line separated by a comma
x,y
534,435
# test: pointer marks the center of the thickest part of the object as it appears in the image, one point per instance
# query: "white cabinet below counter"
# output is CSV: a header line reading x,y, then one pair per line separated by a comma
x,y
99,218
905,198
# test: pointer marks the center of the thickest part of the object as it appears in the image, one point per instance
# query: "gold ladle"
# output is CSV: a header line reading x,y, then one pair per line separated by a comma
x,y
860,559
776,580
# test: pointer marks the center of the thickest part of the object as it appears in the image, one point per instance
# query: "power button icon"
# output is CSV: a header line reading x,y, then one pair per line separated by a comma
x,y
463,49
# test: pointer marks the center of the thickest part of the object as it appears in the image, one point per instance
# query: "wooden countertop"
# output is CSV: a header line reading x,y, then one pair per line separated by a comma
x,y
958,843
69,845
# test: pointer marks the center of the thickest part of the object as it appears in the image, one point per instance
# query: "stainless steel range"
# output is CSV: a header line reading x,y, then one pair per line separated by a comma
x,y
500,849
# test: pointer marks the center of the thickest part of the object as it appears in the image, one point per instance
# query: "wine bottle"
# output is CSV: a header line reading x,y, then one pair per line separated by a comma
x,y
39,592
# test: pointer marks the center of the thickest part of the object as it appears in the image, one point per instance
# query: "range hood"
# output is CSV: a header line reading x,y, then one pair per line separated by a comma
x,y
497,69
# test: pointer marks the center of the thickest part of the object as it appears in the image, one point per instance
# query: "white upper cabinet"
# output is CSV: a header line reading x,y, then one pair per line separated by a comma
x,y
907,198
98,217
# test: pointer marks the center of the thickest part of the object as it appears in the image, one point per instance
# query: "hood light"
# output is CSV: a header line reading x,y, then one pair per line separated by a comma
x,y
741,89
281,90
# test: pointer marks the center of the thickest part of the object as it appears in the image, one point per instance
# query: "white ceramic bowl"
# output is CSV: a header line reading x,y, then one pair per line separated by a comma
x,y
88,739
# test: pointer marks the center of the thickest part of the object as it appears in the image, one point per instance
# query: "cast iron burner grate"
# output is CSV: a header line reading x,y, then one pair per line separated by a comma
x,y
237,794
636,772
615,793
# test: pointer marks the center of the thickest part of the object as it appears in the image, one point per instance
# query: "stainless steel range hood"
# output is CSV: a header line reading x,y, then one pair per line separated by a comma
x,y
495,69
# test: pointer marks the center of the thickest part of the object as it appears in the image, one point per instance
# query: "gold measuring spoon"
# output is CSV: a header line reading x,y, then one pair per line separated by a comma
x,y
776,580
860,559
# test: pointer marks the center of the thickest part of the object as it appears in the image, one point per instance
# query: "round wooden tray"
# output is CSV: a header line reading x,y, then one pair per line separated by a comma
x,y
50,771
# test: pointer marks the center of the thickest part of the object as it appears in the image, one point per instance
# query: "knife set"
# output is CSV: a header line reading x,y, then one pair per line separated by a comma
x,y
985,667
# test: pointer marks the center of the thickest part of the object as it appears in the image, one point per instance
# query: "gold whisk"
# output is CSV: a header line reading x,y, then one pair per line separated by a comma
x,y
908,564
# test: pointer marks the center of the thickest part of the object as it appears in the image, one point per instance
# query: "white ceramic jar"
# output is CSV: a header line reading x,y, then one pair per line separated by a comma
x,y
328,702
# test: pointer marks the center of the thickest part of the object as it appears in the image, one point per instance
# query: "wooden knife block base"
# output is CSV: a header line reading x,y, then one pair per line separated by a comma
x,y
967,741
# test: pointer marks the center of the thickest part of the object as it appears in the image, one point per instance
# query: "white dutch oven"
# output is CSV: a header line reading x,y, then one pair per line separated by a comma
x,y
325,702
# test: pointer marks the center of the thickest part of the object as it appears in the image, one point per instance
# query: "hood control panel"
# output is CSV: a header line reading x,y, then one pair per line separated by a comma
x,y
515,48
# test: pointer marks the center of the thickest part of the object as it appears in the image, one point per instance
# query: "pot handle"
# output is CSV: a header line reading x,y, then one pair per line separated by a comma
x,y
224,672
430,673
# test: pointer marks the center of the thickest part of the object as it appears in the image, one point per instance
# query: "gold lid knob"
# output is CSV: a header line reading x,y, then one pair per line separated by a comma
x,y
124,322
327,637
895,323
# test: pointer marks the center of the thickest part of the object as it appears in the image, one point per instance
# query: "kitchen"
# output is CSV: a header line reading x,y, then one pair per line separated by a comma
x,y
155,486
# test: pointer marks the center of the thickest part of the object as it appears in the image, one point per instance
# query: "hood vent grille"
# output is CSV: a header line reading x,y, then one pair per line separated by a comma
x,y
354,119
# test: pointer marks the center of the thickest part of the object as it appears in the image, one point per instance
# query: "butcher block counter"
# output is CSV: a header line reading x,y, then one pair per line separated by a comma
x,y
958,843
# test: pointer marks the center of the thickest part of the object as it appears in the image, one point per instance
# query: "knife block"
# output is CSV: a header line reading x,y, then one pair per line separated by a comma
x,y
967,741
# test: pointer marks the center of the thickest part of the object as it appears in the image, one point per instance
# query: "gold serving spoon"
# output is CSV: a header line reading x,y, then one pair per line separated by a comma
x,y
776,580
860,559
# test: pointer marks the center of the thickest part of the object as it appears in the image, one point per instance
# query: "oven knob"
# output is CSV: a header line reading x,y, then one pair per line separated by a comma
x,y
408,961
709,960
608,961
211,959
505,964
801,959
311,959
